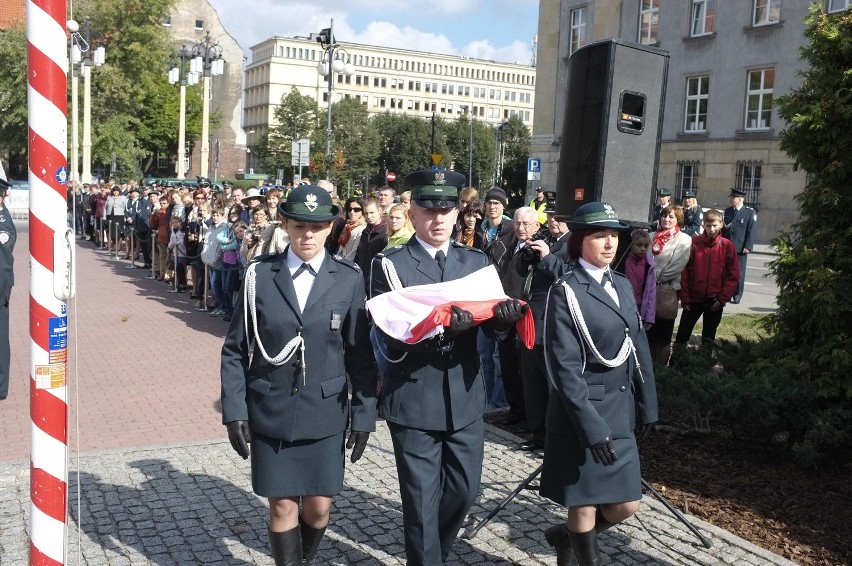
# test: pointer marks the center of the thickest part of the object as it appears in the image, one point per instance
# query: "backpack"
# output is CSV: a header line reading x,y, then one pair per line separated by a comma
x,y
212,252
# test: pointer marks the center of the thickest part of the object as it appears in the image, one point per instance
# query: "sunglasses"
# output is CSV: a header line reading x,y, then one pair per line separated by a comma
x,y
353,209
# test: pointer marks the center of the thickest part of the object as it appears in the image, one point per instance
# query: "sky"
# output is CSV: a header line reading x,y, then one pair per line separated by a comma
x,y
498,30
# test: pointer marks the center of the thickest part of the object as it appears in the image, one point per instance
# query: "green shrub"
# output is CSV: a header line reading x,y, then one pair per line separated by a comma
x,y
752,390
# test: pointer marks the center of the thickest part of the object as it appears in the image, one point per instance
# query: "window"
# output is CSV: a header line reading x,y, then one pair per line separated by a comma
x,y
687,178
748,181
837,5
199,25
167,21
578,29
162,161
697,98
649,15
759,99
766,12
703,17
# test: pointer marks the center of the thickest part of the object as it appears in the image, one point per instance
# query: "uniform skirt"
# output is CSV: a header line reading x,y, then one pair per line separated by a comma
x,y
292,469
571,477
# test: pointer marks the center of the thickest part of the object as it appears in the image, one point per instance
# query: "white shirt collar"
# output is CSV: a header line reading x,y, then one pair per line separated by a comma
x,y
596,272
432,250
294,263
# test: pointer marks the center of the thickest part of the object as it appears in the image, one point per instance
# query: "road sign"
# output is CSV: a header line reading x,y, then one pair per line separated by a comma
x,y
300,153
436,158
391,177
534,165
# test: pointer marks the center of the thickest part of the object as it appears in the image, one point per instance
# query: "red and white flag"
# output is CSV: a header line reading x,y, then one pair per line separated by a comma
x,y
413,314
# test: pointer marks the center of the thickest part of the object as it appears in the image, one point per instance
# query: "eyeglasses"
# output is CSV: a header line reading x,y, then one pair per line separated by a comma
x,y
526,224
492,202
353,209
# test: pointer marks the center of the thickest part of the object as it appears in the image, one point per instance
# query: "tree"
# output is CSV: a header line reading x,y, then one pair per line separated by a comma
x,y
814,267
405,143
516,139
134,109
294,118
13,91
354,145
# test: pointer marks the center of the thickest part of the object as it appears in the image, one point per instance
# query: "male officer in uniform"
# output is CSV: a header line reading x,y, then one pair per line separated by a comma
x,y
740,226
8,235
433,394
664,198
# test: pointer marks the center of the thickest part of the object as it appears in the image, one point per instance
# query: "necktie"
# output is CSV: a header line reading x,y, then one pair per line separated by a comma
x,y
305,267
607,277
441,258
610,289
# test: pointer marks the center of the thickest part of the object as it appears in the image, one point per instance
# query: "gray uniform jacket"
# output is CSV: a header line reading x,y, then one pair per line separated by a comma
x,y
740,226
440,388
597,401
279,401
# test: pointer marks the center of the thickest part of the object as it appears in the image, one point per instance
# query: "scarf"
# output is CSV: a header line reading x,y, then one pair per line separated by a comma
x,y
662,237
465,236
347,232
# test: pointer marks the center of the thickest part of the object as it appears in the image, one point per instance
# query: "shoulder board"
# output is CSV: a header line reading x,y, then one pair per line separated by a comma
x,y
264,258
347,262
460,247
391,251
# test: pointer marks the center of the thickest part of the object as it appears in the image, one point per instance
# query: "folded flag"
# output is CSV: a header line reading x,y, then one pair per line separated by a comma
x,y
417,313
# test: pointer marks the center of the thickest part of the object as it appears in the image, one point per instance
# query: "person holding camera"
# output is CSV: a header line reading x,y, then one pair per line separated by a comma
x,y
513,257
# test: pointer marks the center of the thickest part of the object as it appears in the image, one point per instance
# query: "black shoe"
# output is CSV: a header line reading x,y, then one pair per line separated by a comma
x,y
529,446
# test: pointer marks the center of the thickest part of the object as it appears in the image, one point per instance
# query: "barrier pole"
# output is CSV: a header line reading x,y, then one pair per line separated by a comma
x,y
47,65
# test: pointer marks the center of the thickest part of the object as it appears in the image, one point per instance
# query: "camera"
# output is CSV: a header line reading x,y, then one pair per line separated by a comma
x,y
531,255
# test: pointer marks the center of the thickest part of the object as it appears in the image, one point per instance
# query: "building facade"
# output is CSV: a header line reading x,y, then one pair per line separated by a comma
x,y
188,23
385,80
728,60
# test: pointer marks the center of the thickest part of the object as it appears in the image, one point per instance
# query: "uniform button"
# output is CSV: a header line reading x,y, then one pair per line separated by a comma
x,y
623,388
295,391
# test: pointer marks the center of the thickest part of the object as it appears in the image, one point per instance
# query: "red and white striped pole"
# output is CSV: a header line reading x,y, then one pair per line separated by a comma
x,y
47,65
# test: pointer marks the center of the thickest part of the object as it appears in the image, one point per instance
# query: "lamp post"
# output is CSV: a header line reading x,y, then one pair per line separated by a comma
x,y
465,107
332,63
86,60
206,60
178,74
501,129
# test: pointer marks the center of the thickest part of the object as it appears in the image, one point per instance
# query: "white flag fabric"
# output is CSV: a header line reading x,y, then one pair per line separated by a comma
x,y
412,314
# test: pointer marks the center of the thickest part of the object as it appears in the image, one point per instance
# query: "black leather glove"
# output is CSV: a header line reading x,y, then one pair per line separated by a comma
x,y
460,320
357,442
508,313
604,452
240,437
716,306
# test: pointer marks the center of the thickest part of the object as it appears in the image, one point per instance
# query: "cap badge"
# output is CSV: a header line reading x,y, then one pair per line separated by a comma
x,y
609,211
311,202
439,178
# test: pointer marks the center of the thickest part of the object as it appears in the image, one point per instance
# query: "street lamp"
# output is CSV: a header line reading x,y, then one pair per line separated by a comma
x,y
501,129
332,63
206,60
82,58
465,107
178,74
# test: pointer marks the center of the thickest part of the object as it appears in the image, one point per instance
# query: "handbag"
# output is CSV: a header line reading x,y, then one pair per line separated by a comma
x,y
666,303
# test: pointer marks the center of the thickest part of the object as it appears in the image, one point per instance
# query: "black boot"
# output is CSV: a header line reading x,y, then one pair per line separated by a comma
x,y
311,538
286,547
557,537
585,547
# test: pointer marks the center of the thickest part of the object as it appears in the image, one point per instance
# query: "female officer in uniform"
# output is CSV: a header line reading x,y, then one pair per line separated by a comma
x,y
599,364
299,328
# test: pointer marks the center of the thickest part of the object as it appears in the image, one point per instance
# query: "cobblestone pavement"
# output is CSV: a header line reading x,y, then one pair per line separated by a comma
x,y
193,504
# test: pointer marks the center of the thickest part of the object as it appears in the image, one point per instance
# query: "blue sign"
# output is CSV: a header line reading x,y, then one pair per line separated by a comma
x,y
62,175
57,333
534,165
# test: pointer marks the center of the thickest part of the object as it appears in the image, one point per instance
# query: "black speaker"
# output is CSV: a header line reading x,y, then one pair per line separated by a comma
x,y
610,147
